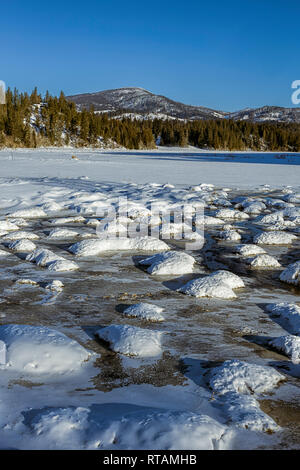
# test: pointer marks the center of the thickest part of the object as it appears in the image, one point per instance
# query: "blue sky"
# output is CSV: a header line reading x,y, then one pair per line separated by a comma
x,y
222,54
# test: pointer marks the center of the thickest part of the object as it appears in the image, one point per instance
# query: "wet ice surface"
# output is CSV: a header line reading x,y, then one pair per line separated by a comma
x,y
109,394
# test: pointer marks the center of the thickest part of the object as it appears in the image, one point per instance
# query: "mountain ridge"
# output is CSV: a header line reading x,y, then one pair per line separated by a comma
x,y
147,105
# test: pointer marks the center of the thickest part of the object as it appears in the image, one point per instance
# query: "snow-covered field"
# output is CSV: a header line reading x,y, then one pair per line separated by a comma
x,y
110,343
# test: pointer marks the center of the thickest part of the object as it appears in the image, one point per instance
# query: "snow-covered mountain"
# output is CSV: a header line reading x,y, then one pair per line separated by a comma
x,y
142,104
138,100
267,113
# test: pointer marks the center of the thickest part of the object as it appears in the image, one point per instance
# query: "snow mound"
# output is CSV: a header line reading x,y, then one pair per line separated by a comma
x,y
137,210
32,213
294,198
249,249
230,279
55,285
145,311
141,428
67,220
52,207
274,238
21,234
288,345
275,217
287,312
244,412
278,226
170,262
114,227
27,282
95,247
231,214
22,245
202,187
229,235
6,226
264,261
63,234
236,383
175,229
131,340
93,222
218,284
277,203
62,265
253,207
291,274
244,378
41,350
210,220
4,253
221,202
19,222
207,287
43,257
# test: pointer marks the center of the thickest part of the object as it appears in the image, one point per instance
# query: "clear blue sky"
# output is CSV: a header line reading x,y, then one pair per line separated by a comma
x,y
222,54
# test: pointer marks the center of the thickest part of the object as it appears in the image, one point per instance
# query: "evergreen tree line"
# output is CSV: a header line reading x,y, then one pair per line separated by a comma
x,y
33,121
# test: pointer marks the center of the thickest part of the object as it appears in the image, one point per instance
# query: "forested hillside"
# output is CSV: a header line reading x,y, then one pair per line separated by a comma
x,y
34,121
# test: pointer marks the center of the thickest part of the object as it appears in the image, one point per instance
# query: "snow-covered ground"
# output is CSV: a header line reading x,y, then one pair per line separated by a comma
x,y
109,343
